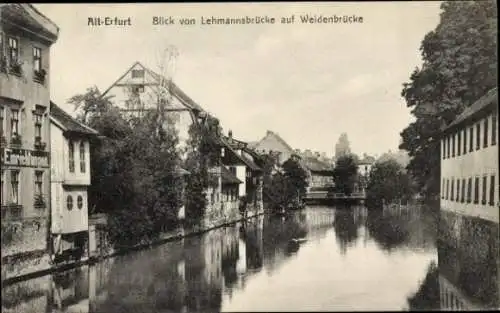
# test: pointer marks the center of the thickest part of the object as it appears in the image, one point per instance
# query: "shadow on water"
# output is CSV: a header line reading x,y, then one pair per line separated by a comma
x,y
205,273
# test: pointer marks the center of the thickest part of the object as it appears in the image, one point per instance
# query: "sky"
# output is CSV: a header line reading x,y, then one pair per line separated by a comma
x,y
307,82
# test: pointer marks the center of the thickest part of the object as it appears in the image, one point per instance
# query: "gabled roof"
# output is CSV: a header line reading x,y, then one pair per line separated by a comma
x,y
174,89
228,177
32,18
278,138
67,123
489,100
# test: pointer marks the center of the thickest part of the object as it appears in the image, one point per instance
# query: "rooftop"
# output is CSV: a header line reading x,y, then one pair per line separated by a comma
x,y
315,165
490,99
68,123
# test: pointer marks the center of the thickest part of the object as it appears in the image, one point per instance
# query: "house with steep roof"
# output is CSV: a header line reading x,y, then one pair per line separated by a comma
x,y
242,161
70,178
26,37
274,143
140,90
469,161
320,173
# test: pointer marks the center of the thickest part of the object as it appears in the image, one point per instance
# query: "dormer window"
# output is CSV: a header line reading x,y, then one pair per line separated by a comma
x,y
137,73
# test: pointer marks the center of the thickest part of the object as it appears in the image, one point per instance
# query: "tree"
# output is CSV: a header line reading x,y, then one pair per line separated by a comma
x,y
295,181
342,147
134,170
388,182
459,66
203,153
345,174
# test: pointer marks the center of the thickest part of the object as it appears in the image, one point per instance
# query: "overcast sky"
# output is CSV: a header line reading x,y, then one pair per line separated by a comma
x,y
309,83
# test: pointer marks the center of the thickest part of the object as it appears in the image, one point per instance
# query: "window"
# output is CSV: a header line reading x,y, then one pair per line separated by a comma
x,y
459,142
138,89
37,59
447,189
13,51
453,146
1,120
14,123
476,190
443,149
38,182
137,73
492,190
69,203
469,191
14,182
79,202
452,196
442,189
471,139
485,133
463,191
458,191
494,130
465,141
485,188
82,157
38,127
478,136
71,154
448,147
1,183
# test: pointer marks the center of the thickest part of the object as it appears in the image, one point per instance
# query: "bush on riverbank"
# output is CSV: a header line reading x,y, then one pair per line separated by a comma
x,y
134,168
388,183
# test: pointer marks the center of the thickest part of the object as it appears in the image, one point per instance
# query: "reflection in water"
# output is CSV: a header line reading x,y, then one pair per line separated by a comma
x,y
347,260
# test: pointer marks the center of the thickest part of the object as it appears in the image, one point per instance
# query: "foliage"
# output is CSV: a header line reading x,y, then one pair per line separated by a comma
x,y
345,174
133,167
459,66
203,154
295,181
388,182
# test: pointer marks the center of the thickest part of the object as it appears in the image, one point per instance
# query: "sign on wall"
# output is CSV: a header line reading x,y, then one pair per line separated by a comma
x,y
22,157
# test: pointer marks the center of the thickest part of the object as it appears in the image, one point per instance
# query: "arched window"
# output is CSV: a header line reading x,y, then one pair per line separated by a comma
x,y
69,203
79,202
71,156
82,157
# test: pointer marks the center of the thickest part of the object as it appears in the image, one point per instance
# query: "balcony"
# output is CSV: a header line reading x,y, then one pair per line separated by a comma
x,y
39,145
12,211
40,202
16,141
16,68
39,76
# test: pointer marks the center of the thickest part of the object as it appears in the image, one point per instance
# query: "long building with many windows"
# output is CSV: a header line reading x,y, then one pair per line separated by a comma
x,y
469,161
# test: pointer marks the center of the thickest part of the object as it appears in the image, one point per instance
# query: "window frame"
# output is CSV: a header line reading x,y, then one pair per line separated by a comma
x,y
494,122
11,49
476,190
71,156
39,182
471,139
83,165
492,190
15,174
462,199
484,190
469,190
14,119
37,58
69,202
478,136
485,133
79,202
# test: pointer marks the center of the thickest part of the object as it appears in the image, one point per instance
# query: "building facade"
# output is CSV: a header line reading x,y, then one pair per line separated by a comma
x,y
469,161
273,143
70,178
26,36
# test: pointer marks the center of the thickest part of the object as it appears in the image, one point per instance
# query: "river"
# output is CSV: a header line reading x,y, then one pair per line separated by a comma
x,y
348,259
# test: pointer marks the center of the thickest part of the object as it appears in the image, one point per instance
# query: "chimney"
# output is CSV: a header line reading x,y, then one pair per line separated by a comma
x,y
318,155
230,134
269,133
308,153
